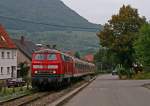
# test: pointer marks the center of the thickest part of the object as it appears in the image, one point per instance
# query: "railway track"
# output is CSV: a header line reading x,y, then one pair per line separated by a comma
x,y
54,96
25,99
41,98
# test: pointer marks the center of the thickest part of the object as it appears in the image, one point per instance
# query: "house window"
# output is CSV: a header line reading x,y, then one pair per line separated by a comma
x,y
2,70
8,55
13,69
2,55
8,70
13,54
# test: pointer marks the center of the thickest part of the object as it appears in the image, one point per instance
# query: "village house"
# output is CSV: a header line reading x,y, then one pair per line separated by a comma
x,y
8,56
89,58
25,48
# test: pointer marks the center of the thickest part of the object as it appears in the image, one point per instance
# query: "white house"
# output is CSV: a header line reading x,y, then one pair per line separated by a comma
x,y
8,56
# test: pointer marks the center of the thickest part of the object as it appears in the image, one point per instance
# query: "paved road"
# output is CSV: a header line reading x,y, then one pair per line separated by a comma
x,y
107,90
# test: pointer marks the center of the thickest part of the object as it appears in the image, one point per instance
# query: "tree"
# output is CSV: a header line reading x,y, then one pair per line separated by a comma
x,y
24,68
104,59
142,45
119,34
77,55
24,71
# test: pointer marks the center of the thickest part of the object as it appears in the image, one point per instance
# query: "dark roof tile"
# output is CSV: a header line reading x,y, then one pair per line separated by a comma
x,y
27,47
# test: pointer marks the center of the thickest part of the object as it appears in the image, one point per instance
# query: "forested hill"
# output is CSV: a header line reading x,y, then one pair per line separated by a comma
x,y
84,42
50,12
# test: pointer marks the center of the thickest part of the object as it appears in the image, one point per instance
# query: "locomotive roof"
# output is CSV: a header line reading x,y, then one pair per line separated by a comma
x,y
47,51
51,51
82,61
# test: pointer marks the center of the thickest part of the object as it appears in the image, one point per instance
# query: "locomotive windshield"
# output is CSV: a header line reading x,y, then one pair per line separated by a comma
x,y
40,57
51,56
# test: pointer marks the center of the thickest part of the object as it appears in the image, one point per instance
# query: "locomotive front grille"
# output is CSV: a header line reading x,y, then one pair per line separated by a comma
x,y
47,72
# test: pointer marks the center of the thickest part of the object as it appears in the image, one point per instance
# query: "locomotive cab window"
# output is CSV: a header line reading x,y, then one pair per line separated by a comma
x,y
51,57
39,57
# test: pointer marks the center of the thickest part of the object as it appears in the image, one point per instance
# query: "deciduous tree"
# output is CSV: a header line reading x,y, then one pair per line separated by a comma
x,y
119,34
77,55
142,45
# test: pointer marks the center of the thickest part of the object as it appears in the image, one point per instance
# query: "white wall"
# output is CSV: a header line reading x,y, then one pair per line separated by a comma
x,y
8,60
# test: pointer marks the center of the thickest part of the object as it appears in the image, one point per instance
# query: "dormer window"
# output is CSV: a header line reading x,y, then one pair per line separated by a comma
x,y
3,38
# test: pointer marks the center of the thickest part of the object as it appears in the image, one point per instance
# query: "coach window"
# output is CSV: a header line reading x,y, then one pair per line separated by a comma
x,y
88,68
51,57
83,67
80,66
76,65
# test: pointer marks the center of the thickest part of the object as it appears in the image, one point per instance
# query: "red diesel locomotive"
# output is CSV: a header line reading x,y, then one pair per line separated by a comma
x,y
54,68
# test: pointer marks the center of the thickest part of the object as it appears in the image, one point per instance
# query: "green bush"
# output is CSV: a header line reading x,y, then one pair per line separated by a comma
x,y
124,72
121,70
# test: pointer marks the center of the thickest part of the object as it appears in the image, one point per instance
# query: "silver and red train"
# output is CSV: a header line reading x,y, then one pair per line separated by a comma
x,y
54,68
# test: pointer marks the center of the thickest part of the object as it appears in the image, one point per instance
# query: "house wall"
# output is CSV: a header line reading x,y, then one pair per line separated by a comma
x,y
8,63
22,58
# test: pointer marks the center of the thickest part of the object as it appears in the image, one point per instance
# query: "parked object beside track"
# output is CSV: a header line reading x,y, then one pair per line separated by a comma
x,y
15,82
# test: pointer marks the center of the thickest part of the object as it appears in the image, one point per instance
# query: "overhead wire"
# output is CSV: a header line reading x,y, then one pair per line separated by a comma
x,y
47,24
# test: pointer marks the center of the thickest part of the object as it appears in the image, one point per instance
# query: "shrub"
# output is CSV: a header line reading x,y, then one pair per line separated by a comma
x,y
121,71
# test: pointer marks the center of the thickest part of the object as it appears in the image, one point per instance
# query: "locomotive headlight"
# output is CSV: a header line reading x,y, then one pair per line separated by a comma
x,y
35,72
52,66
54,72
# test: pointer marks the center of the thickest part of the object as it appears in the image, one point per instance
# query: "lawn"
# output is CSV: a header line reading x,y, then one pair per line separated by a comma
x,y
10,93
143,75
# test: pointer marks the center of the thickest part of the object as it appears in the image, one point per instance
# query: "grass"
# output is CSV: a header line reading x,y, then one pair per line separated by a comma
x,y
143,75
11,93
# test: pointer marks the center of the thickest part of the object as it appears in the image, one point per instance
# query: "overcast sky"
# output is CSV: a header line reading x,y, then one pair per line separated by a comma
x,y
99,11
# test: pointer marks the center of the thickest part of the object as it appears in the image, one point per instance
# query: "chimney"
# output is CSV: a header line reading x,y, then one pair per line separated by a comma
x,y
22,40
48,46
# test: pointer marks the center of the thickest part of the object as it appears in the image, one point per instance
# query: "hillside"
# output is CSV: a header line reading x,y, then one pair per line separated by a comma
x,y
84,42
50,13
53,12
